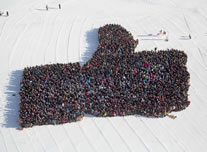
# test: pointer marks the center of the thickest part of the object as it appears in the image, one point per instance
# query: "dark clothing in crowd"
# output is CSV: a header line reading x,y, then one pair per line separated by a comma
x,y
116,81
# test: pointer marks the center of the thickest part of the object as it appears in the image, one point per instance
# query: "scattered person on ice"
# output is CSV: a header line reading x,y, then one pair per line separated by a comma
x,y
59,6
163,33
189,36
155,48
166,38
47,7
159,32
7,13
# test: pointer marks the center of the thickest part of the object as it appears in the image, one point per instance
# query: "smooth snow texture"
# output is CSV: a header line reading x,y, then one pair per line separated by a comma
x,y
32,36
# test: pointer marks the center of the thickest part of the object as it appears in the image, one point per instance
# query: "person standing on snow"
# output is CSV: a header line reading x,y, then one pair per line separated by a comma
x,y
59,6
166,35
189,36
163,33
159,32
166,38
47,7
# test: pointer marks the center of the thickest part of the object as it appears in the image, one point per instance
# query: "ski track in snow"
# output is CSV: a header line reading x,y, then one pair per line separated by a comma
x,y
32,36
87,138
81,34
3,141
102,133
54,139
28,53
68,135
63,48
58,41
154,136
16,45
42,37
140,139
120,135
49,40
35,43
69,37
2,29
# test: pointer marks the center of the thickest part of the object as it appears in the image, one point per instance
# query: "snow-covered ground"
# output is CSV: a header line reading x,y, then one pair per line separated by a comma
x,y
32,36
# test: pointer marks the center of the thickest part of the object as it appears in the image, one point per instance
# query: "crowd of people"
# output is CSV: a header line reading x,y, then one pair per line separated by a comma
x,y
116,81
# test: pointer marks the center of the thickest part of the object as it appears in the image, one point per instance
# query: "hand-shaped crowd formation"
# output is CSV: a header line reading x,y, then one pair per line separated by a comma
x,y
116,81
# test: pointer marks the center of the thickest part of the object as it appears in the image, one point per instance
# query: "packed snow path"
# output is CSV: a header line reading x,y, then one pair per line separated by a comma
x,y
33,36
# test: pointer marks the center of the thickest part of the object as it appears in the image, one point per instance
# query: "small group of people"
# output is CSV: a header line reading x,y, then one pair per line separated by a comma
x,y
47,7
2,13
116,81
163,34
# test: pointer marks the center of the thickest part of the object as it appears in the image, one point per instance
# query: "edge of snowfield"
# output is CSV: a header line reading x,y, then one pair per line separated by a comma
x,y
32,36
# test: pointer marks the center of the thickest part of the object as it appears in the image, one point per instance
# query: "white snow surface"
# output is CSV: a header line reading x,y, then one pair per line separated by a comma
x,y
33,36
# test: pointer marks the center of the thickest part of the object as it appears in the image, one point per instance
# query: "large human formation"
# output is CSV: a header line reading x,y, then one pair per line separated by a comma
x,y
116,81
